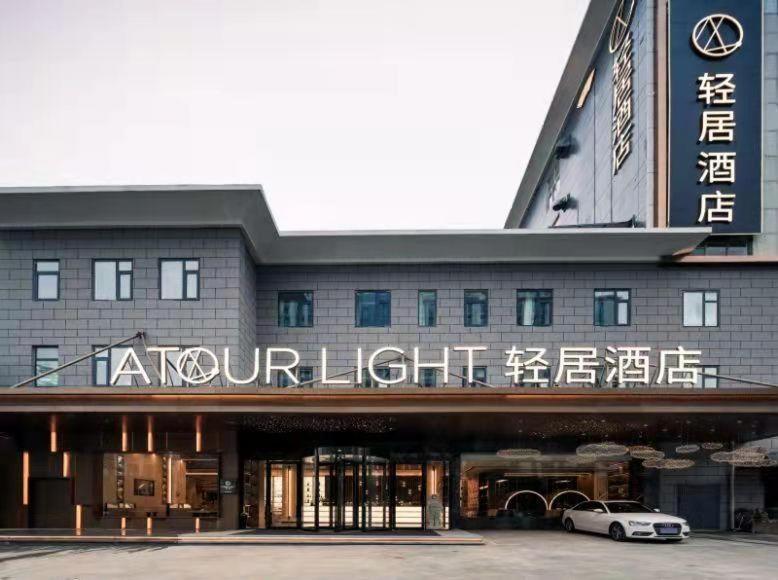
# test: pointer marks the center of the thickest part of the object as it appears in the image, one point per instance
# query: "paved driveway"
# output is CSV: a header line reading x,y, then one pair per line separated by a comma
x,y
515,554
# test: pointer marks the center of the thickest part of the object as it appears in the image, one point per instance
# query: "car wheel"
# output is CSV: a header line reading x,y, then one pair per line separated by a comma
x,y
617,533
569,525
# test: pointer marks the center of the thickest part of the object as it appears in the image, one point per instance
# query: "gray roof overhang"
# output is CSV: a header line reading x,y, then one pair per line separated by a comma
x,y
244,207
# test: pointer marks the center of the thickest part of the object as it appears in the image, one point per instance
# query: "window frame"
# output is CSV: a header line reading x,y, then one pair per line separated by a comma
x,y
418,309
36,275
536,291
35,361
464,308
388,324
704,302
118,275
184,273
705,369
615,292
278,304
465,383
423,372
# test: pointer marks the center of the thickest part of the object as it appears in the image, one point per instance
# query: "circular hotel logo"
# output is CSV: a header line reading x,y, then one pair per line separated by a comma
x,y
717,35
621,23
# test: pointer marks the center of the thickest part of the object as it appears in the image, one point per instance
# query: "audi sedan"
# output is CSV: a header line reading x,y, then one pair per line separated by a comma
x,y
622,520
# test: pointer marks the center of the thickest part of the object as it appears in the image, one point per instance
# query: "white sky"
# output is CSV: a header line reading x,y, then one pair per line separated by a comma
x,y
358,114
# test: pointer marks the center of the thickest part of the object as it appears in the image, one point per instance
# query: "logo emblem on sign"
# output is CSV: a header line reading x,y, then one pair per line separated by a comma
x,y
621,23
717,36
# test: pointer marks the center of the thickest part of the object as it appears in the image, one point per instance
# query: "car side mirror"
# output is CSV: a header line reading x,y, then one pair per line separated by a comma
x,y
656,510
599,511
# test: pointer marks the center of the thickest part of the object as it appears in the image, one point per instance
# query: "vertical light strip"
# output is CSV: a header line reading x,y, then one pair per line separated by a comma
x,y
170,479
65,464
150,434
149,525
78,517
197,525
198,433
25,478
125,438
123,524
53,433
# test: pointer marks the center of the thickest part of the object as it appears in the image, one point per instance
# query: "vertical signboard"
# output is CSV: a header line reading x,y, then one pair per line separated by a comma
x,y
715,117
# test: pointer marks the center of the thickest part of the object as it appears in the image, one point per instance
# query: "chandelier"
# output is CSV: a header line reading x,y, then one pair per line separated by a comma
x,y
712,446
686,449
605,449
645,452
518,453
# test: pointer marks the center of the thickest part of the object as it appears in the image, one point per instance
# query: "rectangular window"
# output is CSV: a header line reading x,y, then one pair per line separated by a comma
x,y
180,279
528,378
295,309
479,374
534,307
427,377
612,307
707,378
303,374
382,373
476,307
701,308
112,280
373,308
46,280
105,364
46,358
428,307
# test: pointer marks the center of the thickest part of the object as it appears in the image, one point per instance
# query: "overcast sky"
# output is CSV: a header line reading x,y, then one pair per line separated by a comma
x,y
356,114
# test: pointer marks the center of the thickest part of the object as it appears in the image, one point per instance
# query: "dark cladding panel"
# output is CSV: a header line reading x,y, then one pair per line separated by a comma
x,y
715,61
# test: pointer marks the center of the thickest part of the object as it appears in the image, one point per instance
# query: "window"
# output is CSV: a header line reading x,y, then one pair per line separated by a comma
x,y
611,307
427,378
373,308
105,364
701,308
112,280
725,246
383,373
46,358
180,279
428,307
295,309
476,307
46,280
707,378
534,307
479,374
303,374
544,375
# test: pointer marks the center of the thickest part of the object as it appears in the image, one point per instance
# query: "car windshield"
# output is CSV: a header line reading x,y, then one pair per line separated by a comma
x,y
628,507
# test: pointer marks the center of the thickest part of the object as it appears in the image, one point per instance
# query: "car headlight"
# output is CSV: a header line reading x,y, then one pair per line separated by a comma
x,y
638,523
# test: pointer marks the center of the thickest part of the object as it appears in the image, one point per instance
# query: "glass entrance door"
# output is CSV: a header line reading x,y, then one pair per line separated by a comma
x,y
282,496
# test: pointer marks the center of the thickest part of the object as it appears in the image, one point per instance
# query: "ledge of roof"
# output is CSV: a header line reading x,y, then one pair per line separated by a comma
x,y
244,207
597,15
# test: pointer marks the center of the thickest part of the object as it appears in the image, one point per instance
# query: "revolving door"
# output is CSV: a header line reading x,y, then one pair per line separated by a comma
x,y
345,488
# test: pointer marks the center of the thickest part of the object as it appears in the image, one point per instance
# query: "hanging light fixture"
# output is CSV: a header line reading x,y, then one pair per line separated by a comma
x,y
676,463
750,452
652,463
645,452
721,456
687,449
712,446
525,453
605,449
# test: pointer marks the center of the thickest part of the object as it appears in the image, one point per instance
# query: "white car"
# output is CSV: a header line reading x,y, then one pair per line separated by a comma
x,y
622,520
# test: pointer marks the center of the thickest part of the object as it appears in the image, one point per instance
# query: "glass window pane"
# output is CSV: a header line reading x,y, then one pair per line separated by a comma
x,y
476,308
125,266
623,313
305,374
116,357
105,280
191,285
192,265
428,306
48,287
101,372
692,309
47,266
125,286
172,280
711,313
373,308
295,309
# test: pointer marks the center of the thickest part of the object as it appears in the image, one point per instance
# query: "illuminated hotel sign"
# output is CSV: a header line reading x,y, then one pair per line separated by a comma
x,y
620,46
624,365
716,114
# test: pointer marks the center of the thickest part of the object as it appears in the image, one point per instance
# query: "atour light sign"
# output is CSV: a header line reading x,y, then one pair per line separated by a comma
x,y
716,114
624,365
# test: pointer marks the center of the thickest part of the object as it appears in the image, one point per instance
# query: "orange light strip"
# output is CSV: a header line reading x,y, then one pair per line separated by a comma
x,y
65,464
123,524
125,438
150,434
149,525
170,479
53,434
78,517
25,478
197,525
198,433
